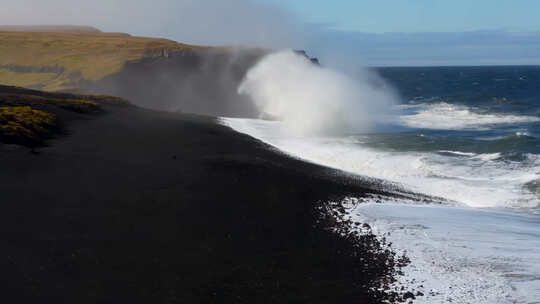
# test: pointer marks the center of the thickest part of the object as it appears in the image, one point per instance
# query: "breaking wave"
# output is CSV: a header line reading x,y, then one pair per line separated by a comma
x,y
468,178
445,116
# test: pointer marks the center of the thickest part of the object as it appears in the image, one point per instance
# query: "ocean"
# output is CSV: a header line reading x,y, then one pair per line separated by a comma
x,y
470,136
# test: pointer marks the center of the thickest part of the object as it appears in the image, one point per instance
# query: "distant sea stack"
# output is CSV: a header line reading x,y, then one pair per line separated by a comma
x,y
312,59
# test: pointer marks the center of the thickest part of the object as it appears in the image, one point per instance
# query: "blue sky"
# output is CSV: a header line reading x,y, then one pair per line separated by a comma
x,y
419,15
424,32
367,32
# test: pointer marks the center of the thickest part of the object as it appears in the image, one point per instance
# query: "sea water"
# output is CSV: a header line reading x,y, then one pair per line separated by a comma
x,y
471,136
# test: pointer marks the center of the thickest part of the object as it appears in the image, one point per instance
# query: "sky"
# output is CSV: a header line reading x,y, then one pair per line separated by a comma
x,y
339,32
425,32
418,15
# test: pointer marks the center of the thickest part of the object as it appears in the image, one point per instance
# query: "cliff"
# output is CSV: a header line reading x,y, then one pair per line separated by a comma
x,y
60,60
192,81
154,73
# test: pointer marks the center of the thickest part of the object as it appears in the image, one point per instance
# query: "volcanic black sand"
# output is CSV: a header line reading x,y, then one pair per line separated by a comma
x,y
138,206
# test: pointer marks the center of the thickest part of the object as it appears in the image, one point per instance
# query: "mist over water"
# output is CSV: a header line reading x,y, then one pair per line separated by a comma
x,y
314,100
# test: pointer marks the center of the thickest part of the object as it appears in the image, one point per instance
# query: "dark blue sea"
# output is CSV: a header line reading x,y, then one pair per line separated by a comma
x,y
484,121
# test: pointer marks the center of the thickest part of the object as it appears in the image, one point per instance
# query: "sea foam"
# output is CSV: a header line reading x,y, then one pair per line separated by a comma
x,y
477,180
460,255
445,116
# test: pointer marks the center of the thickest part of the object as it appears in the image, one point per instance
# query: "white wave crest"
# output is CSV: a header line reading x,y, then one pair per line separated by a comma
x,y
445,116
478,180
457,153
488,156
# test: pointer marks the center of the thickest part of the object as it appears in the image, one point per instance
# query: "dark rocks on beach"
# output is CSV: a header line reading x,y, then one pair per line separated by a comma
x,y
409,295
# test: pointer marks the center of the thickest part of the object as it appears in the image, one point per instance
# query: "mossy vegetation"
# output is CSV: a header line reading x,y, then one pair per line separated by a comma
x,y
74,56
25,126
26,118
75,105
16,96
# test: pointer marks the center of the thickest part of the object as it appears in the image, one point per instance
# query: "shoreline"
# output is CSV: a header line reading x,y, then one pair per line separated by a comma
x,y
139,205
450,245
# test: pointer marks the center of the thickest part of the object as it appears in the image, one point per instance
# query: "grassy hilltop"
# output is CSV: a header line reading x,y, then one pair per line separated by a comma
x,y
57,58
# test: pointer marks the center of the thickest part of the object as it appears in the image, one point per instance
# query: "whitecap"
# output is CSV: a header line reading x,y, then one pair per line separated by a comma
x,y
488,156
457,153
445,116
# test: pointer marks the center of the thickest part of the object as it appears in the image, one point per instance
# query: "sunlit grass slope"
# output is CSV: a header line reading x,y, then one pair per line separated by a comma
x,y
59,60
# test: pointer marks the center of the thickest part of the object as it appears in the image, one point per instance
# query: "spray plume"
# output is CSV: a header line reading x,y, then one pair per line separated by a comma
x,y
310,99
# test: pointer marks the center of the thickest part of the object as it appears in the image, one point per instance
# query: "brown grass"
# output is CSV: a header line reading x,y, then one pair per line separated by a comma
x,y
84,56
8,77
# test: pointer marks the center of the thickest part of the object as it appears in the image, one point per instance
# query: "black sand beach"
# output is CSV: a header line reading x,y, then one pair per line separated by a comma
x,y
138,206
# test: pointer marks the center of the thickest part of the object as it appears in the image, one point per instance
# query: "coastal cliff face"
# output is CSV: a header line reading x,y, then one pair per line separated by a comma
x,y
191,81
60,61
202,81
154,73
